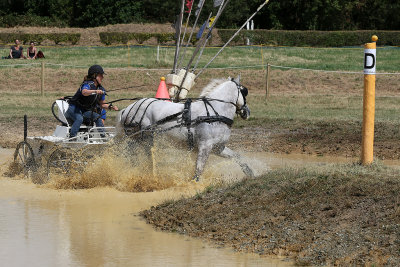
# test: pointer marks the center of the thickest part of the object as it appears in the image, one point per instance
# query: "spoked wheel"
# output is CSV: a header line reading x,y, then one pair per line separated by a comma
x,y
87,155
60,163
24,159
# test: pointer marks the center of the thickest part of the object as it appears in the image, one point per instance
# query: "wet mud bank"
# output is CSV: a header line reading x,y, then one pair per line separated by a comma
x,y
335,215
333,138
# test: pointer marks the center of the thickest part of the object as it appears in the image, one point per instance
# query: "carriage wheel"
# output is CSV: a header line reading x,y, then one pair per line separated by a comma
x,y
24,159
59,163
86,155
89,152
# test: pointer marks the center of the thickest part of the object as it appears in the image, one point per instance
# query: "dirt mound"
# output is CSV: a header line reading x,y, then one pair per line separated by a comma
x,y
328,215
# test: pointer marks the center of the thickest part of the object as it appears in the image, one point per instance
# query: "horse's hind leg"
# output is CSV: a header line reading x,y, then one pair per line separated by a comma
x,y
229,153
202,156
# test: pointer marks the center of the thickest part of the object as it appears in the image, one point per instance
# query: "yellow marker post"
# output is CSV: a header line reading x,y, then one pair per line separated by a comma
x,y
367,146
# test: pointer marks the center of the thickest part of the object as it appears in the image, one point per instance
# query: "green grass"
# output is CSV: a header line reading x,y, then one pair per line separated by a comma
x,y
321,108
300,108
344,59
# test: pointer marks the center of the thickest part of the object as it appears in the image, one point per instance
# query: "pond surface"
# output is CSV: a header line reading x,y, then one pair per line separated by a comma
x,y
42,226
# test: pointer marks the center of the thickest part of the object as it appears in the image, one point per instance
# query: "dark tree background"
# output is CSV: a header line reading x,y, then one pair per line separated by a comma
x,y
278,14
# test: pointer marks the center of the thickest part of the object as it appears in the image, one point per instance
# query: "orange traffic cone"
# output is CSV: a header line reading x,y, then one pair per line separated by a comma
x,y
162,91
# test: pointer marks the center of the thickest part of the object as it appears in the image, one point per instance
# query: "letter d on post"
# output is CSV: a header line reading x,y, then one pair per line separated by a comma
x,y
367,146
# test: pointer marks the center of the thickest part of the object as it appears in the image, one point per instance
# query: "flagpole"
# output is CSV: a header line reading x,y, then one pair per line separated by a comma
x,y
220,10
199,44
178,38
233,36
191,33
187,23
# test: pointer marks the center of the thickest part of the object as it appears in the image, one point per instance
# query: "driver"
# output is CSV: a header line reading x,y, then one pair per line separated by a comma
x,y
88,101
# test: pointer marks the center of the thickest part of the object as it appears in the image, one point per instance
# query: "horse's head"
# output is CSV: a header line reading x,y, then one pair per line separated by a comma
x,y
241,106
229,91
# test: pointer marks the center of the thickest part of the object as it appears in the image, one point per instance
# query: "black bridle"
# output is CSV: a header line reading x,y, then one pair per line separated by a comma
x,y
242,111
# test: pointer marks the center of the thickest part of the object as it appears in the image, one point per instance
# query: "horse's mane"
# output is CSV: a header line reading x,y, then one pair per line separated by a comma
x,y
211,86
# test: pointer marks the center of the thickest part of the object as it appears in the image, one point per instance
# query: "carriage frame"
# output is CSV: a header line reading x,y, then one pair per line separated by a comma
x,y
57,154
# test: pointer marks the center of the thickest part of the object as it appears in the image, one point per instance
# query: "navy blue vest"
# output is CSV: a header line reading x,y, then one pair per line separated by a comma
x,y
90,102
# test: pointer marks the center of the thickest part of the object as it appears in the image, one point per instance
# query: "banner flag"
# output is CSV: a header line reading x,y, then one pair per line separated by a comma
x,y
217,3
189,4
202,28
210,22
198,7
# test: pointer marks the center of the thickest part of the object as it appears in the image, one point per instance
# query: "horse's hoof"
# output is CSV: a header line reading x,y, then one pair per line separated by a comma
x,y
196,178
249,172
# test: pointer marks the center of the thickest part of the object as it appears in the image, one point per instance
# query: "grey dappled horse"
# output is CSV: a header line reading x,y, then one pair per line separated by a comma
x,y
206,122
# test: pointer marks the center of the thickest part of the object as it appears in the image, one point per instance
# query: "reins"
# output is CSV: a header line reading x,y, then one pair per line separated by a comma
x,y
184,121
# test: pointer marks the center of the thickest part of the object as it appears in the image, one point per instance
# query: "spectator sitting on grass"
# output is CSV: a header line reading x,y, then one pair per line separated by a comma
x,y
16,51
31,53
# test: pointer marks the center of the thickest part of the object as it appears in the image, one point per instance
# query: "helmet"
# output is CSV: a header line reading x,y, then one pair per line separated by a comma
x,y
95,69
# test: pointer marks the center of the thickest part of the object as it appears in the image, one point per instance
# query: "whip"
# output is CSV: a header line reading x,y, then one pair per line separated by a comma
x,y
124,88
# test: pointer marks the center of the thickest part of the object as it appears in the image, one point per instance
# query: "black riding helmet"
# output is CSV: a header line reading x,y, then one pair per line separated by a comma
x,y
95,69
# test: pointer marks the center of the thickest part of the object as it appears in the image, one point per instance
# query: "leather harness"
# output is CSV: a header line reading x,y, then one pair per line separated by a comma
x,y
133,128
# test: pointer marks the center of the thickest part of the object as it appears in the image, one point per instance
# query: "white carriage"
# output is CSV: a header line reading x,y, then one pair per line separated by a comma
x,y
58,153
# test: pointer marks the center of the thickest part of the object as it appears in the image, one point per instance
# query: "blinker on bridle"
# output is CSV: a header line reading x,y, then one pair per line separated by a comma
x,y
243,90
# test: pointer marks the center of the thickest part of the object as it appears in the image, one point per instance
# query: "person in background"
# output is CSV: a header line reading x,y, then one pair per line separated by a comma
x,y
88,101
31,53
16,50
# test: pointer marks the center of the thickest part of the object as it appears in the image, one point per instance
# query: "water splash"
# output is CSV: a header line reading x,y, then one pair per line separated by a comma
x,y
135,167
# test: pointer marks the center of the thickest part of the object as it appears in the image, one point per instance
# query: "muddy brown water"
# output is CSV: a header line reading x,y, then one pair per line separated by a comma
x,y
41,226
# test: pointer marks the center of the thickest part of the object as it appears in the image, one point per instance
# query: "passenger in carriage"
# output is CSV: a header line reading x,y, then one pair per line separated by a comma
x,y
88,101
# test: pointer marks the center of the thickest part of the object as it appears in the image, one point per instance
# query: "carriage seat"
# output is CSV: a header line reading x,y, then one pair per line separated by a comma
x,y
62,106
63,131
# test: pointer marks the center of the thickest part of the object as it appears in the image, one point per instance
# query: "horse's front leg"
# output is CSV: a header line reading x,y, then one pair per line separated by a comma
x,y
229,153
202,156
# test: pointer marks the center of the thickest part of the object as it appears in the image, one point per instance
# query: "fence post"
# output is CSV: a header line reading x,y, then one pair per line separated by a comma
x,y
267,92
158,53
367,145
129,56
42,80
